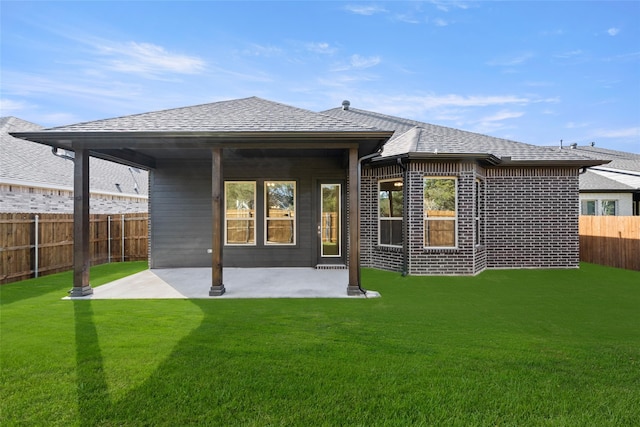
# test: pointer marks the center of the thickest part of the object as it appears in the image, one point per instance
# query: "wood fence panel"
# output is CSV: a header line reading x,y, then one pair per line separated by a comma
x,y
15,236
55,242
611,240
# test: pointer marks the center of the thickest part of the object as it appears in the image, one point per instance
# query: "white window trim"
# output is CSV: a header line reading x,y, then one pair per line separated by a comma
x,y
599,211
477,212
232,219
455,218
322,255
293,219
393,218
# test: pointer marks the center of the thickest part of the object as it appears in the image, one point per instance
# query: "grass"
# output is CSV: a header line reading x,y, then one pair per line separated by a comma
x,y
518,347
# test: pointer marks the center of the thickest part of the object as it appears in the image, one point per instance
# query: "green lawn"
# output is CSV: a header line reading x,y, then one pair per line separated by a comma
x,y
507,348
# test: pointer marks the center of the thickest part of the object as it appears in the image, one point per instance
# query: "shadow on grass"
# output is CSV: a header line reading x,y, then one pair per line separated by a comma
x,y
229,370
93,394
34,288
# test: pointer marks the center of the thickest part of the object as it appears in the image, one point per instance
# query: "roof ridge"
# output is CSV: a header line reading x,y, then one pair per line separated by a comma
x,y
163,110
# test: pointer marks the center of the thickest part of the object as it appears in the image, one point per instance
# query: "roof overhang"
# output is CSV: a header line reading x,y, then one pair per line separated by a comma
x,y
140,149
580,163
491,160
484,158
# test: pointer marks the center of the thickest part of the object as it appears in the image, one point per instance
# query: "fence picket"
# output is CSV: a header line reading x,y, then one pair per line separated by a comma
x,y
611,240
55,242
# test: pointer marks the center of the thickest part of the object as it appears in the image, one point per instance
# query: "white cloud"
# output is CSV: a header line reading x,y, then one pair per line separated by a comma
x,y
322,47
446,5
632,132
439,22
613,31
148,59
570,54
502,115
470,101
11,107
574,125
358,61
266,51
510,61
366,10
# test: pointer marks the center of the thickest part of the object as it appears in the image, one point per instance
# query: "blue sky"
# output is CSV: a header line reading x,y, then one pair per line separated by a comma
x,y
534,72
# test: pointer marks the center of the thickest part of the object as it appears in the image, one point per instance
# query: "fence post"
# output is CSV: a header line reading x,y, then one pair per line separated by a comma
x,y
37,217
109,239
122,226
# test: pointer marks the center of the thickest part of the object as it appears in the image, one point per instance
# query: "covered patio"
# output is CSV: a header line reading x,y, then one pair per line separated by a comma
x,y
190,283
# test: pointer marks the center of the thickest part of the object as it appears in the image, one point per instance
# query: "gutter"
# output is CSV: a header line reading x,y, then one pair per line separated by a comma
x,y
405,219
359,171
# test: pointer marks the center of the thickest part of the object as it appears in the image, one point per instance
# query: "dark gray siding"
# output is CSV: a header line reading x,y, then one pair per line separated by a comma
x,y
306,171
180,206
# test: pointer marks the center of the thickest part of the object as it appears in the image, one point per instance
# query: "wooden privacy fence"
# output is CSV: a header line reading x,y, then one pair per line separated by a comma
x,y
611,240
33,245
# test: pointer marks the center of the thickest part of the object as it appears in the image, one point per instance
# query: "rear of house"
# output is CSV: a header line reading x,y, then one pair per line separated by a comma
x,y
255,183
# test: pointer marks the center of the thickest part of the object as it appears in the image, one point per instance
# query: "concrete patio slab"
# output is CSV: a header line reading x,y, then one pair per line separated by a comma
x,y
187,283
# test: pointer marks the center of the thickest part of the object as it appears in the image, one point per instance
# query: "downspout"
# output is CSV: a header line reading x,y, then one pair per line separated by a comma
x,y
359,171
405,217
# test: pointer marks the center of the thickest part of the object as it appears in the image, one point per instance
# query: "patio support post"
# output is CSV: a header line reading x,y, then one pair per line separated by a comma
x,y
81,255
354,225
217,184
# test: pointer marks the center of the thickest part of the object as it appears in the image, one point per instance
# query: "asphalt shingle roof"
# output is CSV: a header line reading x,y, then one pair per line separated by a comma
x,y
240,115
29,162
619,159
412,136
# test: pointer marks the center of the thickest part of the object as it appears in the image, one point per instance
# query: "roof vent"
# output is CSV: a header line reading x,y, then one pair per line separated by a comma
x,y
345,105
574,145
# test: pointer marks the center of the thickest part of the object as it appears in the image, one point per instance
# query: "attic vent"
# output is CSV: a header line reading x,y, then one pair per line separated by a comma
x,y
345,105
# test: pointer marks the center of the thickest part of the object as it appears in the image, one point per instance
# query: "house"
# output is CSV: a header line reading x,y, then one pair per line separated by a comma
x,y
612,188
33,179
256,183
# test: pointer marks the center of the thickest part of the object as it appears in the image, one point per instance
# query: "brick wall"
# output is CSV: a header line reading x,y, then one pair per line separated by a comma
x,y
529,218
532,217
15,199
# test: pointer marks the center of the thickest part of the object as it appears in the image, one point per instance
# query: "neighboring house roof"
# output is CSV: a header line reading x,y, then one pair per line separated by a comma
x,y
31,164
420,139
621,174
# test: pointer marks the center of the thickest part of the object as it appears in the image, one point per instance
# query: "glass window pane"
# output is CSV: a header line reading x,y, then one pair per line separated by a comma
x,y
588,207
280,199
396,232
330,221
440,212
240,232
280,231
440,233
440,197
390,212
608,207
240,212
280,212
390,199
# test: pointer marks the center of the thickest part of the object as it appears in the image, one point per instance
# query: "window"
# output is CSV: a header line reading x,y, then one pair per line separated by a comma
x,y
599,207
477,212
240,214
440,211
609,207
588,207
390,212
280,212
